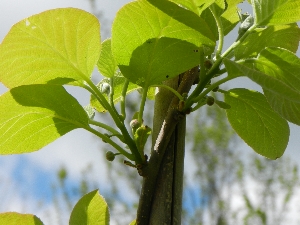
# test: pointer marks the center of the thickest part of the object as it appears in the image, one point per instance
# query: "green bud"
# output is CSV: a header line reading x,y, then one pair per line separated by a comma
x,y
105,88
134,124
215,89
208,63
110,156
210,100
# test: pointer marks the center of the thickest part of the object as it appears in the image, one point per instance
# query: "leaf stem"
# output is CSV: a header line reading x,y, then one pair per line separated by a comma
x,y
112,143
142,105
211,87
220,31
116,117
238,42
123,99
106,127
170,89
205,79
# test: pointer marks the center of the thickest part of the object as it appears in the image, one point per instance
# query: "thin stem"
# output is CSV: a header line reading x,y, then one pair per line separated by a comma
x,y
111,93
220,31
120,123
211,87
199,105
202,67
142,105
123,99
106,127
199,88
112,143
170,89
238,42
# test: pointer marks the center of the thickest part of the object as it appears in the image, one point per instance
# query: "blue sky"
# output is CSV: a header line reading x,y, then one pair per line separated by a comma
x,y
31,175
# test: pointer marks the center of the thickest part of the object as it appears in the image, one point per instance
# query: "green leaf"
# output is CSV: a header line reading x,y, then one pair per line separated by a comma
x,y
33,116
256,123
276,11
119,81
91,209
284,66
196,6
228,15
233,68
156,40
283,36
133,222
57,46
267,82
13,218
107,65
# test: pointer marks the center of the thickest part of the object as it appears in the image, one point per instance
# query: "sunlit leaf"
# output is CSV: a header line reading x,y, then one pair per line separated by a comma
x,y
91,209
228,15
271,83
107,65
33,116
270,12
256,123
196,6
13,218
56,46
284,36
156,40
133,222
283,66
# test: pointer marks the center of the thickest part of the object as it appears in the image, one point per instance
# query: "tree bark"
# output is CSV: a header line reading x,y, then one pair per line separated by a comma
x,y
161,195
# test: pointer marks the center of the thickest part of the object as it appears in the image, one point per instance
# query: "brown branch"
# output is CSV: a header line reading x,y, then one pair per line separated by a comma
x,y
150,171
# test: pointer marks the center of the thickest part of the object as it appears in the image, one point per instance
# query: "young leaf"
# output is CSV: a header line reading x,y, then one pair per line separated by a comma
x,y
284,66
91,209
140,137
156,40
57,46
276,11
118,88
283,36
196,6
33,116
13,218
256,123
107,65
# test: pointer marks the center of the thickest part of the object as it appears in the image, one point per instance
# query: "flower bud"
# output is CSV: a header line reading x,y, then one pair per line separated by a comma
x,y
110,156
134,124
210,100
105,88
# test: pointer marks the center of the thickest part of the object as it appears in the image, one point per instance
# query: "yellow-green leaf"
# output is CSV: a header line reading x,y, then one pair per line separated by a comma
x,y
56,46
33,116
13,218
91,209
156,40
271,12
107,65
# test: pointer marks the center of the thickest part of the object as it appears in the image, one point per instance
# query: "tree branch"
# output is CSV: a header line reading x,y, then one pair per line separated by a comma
x,y
150,171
